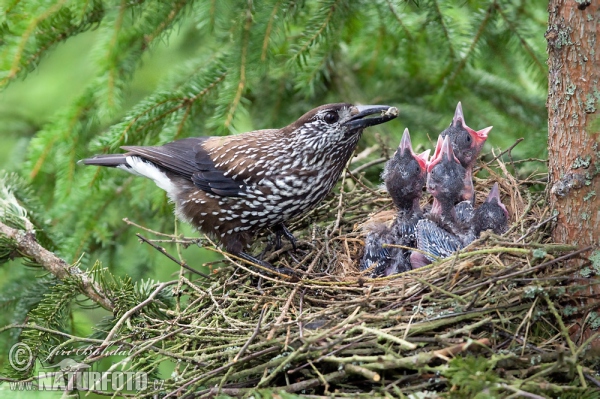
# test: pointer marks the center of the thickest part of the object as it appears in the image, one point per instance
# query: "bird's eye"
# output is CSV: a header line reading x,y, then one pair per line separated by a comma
x,y
331,117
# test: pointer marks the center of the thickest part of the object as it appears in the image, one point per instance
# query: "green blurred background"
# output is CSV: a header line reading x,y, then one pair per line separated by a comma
x,y
421,56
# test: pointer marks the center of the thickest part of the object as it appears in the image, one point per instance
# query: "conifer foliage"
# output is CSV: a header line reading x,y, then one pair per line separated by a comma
x,y
249,65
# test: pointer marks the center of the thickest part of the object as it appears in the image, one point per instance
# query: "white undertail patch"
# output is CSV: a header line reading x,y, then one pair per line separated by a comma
x,y
138,166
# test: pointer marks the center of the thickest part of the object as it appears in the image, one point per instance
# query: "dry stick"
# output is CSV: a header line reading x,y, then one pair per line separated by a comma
x,y
520,392
527,319
340,207
288,360
362,167
443,291
537,226
168,255
300,323
466,329
412,317
360,183
369,374
592,379
586,343
319,376
413,362
49,330
520,219
502,153
28,247
158,233
254,334
389,337
341,348
231,257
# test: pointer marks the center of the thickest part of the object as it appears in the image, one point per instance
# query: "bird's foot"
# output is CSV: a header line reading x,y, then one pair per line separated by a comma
x,y
278,270
280,230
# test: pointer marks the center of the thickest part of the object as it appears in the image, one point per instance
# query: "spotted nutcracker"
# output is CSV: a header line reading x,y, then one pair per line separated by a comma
x,y
232,187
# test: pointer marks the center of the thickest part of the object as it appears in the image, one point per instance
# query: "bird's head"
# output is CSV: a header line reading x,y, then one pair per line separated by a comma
x,y
494,199
492,214
405,150
445,174
335,125
404,174
466,142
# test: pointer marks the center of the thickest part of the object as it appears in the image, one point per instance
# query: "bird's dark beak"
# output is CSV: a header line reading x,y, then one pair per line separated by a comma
x,y
459,118
495,195
384,114
405,144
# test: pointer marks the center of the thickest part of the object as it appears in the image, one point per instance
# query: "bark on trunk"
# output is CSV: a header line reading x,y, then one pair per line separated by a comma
x,y
573,121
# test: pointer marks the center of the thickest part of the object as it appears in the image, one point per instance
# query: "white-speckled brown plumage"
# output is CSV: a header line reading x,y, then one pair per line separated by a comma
x,y
232,187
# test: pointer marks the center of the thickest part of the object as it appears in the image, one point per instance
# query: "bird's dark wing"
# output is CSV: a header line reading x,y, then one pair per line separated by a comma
x,y
436,241
215,182
188,158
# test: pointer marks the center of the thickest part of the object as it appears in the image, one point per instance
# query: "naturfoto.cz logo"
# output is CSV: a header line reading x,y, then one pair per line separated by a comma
x,y
69,375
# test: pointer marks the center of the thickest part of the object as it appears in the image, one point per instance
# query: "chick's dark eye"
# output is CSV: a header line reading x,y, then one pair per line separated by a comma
x,y
331,117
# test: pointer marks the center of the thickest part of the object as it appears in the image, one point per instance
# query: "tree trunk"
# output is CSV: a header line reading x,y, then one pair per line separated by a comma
x,y
573,123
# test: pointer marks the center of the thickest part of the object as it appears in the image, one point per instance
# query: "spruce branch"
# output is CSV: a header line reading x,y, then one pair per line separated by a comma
x,y
528,49
471,49
440,15
26,246
242,80
47,27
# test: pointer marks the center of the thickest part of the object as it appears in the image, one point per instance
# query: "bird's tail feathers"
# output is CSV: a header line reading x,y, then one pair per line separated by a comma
x,y
110,160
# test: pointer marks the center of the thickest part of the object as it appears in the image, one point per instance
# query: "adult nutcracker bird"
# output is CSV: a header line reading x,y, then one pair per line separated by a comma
x,y
232,187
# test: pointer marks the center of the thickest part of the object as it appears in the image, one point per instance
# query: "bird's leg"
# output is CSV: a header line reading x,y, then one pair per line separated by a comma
x,y
281,270
281,230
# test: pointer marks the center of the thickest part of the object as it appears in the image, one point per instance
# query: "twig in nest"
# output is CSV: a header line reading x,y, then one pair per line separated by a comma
x,y
340,206
363,185
368,374
368,165
291,297
158,233
592,379
537,226
520,392
254,334
168,255
508,150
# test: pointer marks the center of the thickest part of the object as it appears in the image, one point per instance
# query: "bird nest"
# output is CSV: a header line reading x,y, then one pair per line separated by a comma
x,y
508,315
